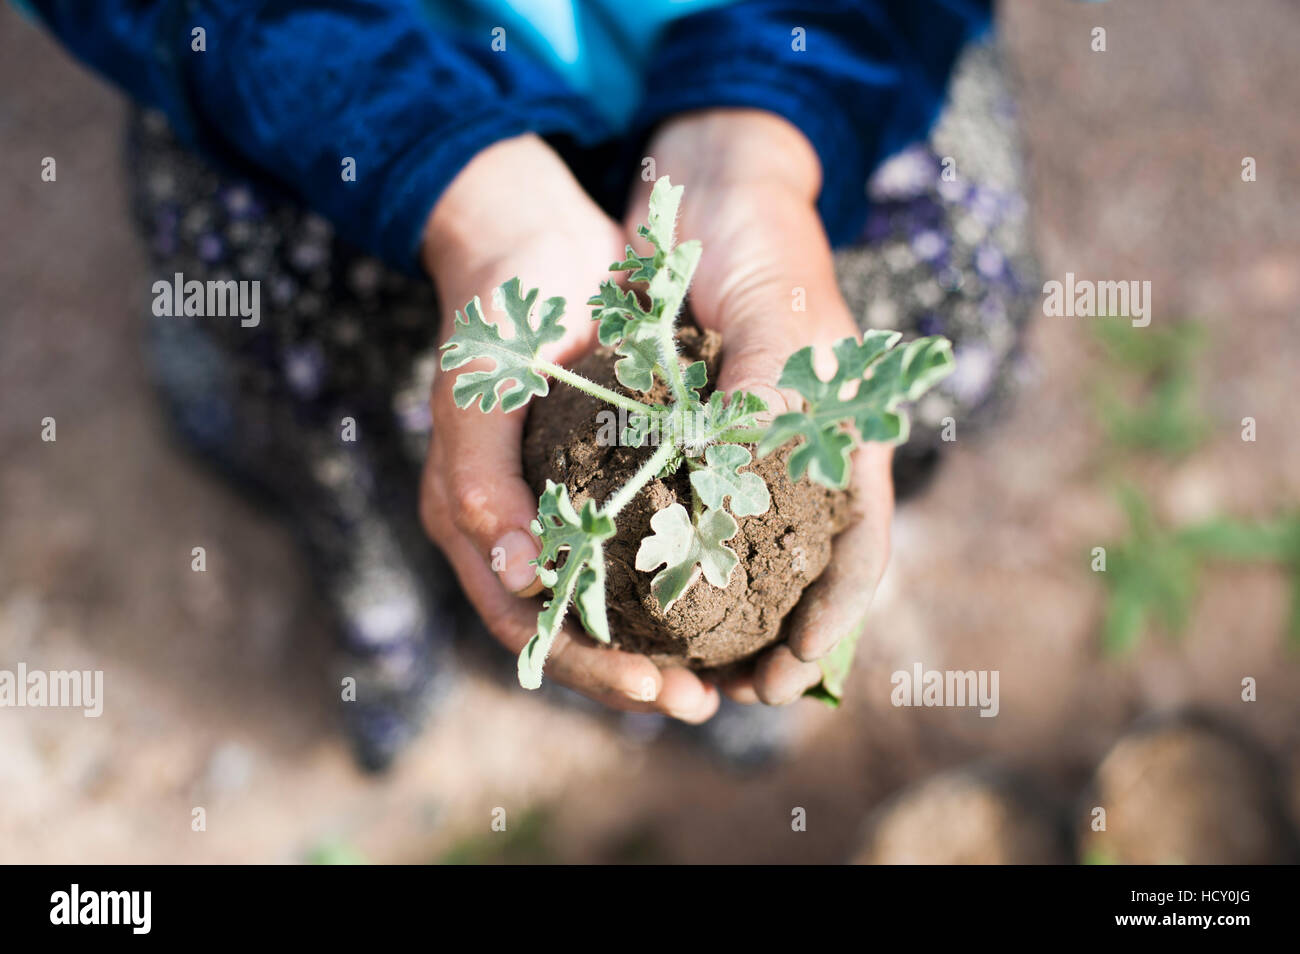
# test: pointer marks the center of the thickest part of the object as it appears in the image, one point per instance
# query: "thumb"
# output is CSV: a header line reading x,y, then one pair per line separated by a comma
x,y
476,475
758,340
753,355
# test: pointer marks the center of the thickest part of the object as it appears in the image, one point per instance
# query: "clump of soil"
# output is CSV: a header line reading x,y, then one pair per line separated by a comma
x,y
1189,790
979,815
781,552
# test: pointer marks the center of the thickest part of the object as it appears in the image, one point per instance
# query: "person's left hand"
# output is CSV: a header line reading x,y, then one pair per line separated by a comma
x,y
751,183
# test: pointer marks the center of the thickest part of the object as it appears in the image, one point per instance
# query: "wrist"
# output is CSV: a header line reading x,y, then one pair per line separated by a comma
x,y
723,148
506,195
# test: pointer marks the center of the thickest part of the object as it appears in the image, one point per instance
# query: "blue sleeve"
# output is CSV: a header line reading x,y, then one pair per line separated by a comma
x,y
286,90
860,78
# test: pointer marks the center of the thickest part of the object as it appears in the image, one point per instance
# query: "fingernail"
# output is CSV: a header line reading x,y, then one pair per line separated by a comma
x,y
693,714
510,559
648,692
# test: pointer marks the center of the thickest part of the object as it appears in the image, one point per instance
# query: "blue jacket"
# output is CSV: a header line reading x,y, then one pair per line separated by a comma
x,y
284,91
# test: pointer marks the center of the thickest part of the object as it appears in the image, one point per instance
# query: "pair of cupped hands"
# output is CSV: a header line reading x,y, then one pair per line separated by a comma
x,y
516,210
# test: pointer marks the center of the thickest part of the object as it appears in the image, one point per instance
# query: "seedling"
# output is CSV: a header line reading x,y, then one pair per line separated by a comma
x,y
1154,406
861,401
1155,572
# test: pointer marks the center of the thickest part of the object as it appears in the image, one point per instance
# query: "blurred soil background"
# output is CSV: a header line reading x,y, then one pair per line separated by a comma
x,y
216,685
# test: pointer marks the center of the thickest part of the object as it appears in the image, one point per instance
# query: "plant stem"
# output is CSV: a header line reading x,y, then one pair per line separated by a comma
x,y
595,390
669,359
743,435
645,473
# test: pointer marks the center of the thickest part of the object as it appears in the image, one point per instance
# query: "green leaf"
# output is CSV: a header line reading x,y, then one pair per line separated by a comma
x,y
644,338
696,376
642,267
741,411
1125,613
824,453
638,336
1099,856
823,695
698,425
668,287
1226,539
721,478
1152,350
665,200
835,667
897,375
1145,574
638,352
614,308
1148,400
335,852
580,579
686,550
638,429
1154,572
514,357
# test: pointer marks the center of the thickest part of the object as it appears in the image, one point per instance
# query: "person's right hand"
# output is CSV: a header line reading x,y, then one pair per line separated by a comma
x,y
516,210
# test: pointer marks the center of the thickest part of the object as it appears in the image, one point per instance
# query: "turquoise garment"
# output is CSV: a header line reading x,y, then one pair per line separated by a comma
x,y
599,47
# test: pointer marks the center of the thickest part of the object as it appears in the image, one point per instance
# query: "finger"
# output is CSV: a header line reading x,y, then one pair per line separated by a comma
x,y
475,463
780,677
740,688
627,680
477,455
767,322
684,696
836,604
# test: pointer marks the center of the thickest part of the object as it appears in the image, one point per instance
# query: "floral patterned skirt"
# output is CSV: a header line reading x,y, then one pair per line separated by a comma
x,y
946,251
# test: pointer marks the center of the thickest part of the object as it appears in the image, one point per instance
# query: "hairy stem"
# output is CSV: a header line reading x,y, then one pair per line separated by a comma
x,y
595,390
669,359
645,473
743,435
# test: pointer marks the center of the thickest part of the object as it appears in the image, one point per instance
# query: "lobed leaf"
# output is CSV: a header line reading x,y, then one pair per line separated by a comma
x,y
897,375
578,537
661,222
721,478
685,551
698,425
741,410
695,375
514,357
638,351
614,308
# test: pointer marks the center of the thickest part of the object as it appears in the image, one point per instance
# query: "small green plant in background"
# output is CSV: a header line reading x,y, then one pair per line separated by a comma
x,y
523,843
1098,856
1161,363
333,851
1154,572
861,402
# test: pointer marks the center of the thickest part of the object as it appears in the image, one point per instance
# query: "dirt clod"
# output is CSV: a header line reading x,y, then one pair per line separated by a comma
x,y
781,551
